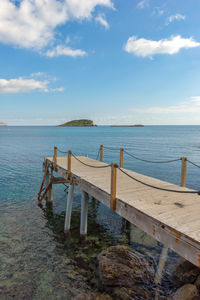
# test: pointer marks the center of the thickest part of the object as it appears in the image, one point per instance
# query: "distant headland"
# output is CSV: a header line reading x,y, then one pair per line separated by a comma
x,y
78,123
136,125
3,124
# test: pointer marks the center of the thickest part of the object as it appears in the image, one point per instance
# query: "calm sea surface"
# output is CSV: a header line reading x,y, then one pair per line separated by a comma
x,y
36,260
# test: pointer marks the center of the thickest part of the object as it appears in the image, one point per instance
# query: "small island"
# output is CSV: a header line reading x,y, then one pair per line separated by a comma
x,y
136,125
78,123
3,124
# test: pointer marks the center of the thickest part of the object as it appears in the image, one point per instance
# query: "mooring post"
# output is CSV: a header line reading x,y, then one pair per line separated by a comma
x,y
121,157
69,208
84,213
55,158
69,166
183,171
101,153
113,186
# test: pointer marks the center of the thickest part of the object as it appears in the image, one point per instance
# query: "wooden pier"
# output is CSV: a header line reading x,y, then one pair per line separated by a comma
x,y
167,212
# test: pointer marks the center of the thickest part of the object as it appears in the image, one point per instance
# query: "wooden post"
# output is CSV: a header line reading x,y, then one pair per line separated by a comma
x,y
69,208
121,157
113,186
47,181
183,171
69,164
84,213
55,158
101,153
50,198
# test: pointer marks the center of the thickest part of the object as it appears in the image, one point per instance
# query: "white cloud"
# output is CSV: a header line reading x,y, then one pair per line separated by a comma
x,y
190,106
173,18
81,9
143,47
65,50
32,23
101,19
195,100
22,85
143,3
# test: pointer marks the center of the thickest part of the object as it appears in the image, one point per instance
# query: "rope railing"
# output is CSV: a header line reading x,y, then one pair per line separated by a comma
x,y
112,148
156,187
64,152
141,159
136,157
152,161
91,166
114,168
192,163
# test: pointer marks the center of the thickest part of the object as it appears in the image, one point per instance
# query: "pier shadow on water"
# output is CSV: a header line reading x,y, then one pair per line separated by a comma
x,y
105,229
41,262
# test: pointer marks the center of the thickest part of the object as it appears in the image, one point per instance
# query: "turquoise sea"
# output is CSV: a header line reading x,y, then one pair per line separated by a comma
x,y
36,260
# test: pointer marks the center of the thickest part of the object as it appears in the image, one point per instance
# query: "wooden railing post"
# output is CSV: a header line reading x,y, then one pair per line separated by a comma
x,y
113,187
101,153
121,157
183,171
69,166
55,158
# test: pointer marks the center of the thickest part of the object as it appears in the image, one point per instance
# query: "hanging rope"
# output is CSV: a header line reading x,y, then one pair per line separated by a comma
x,y
64,152
135,157
193,163
141,159
152,161
159,188
91,166
111,148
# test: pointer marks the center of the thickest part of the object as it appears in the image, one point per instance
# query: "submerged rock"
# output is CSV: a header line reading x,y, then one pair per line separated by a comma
x,y
18,292
197,283
186,292
93,296
136,292
186,272
124,267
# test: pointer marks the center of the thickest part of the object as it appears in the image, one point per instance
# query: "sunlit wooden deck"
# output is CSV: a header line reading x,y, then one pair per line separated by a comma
x,y
171,218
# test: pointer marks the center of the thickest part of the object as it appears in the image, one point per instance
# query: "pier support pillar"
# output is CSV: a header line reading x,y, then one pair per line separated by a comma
x,y
49,194
47,180
132,233
69,208
84,213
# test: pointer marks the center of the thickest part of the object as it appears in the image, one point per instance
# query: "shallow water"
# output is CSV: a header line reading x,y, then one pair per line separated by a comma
x,y
37,261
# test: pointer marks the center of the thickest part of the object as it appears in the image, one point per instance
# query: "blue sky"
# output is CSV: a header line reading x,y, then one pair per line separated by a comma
x,y
116,62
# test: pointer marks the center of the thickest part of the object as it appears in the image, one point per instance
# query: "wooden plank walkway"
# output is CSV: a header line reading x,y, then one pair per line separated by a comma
x,y
171,218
